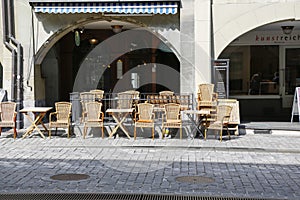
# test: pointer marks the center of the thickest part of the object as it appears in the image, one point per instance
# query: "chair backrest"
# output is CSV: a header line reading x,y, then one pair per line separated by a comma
x,y
93,110
125,100
223,111
145,111
86,97
235,112
63,110
135,94
206,91
8,110
166,93
172,111
98,94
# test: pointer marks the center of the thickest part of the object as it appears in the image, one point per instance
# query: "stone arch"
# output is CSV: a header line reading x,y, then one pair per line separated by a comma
x,y
249,16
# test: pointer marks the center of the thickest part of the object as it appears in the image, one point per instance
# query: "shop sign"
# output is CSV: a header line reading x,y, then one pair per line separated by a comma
x,y
221,77
268,37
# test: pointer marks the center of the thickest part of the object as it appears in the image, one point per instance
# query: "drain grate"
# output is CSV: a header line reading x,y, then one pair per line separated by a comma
x,y
70,177
90,196
195,179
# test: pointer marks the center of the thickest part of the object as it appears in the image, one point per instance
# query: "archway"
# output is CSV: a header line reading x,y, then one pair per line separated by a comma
x,y
90,65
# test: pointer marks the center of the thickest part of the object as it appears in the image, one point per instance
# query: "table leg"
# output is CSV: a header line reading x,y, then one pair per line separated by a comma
x,y
34,124
195,124
119,124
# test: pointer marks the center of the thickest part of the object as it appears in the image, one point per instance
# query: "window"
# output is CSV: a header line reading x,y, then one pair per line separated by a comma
x,y
252,69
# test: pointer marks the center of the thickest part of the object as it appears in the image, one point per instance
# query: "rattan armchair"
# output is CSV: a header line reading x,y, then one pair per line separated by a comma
x,y
125,100
86,97
61,117
98,94
8,116
221,121
207,99
144,117
94,117
171,118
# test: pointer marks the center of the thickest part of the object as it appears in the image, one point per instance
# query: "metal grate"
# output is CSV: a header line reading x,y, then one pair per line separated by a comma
x,y
86,196
70,177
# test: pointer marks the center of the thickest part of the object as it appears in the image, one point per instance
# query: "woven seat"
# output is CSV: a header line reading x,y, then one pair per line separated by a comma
x,y
8,116
144,117
94,117
61,117
221,121
171,118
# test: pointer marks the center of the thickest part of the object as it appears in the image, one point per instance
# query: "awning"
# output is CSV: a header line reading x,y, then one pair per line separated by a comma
x,y
153,7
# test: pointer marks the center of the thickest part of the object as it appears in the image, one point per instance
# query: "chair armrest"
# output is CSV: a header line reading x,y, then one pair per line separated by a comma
x,y
163,117
102,116
225,119
136,116
52,114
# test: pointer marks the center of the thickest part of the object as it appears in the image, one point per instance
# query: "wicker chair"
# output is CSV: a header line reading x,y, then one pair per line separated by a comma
x,y
86,97
8,116
144,117
206,96
165,97
171,118
166,93
221,121
94,117
125,100
98,94
61,117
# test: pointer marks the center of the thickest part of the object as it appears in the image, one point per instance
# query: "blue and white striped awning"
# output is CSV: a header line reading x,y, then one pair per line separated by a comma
x,y
156,7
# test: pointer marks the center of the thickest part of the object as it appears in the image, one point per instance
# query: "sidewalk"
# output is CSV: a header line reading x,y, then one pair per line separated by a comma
x,y
249,165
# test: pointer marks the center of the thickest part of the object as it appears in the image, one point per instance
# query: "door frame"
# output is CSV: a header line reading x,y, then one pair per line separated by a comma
x,y
287,99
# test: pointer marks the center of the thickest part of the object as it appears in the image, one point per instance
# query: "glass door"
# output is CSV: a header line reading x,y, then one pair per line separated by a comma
x,y
289,74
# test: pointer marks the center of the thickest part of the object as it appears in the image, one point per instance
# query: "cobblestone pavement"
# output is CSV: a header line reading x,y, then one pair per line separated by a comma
x,y
249,165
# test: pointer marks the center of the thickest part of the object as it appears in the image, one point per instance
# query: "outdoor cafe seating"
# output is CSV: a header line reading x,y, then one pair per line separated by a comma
x,y
131,112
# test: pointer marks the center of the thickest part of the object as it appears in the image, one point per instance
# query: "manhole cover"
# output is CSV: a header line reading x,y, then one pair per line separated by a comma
x,y
70,177
195,179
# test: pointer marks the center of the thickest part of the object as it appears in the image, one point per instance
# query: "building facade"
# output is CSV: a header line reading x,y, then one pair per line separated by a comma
x,y
53,48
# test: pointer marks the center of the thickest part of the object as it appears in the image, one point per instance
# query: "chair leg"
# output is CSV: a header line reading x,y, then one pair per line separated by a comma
x,y
49,132
180,132
134,133
228,133
15,133
69,131
0,130
152,133
221,133
84,131
102,132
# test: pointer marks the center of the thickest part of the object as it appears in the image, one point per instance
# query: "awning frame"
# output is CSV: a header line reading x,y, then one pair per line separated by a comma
x,y
120,7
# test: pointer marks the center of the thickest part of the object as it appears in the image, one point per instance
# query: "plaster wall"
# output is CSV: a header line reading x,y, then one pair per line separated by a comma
x,y
232,18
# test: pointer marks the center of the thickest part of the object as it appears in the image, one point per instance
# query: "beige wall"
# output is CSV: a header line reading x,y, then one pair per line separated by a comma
x,y
232,18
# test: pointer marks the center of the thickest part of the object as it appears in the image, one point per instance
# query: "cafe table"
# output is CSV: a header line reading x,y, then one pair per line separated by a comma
x,y
39,113
119,115
196,117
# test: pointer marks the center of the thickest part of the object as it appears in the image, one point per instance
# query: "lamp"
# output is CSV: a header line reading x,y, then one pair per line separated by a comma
x,y
117,28
93,41
287,29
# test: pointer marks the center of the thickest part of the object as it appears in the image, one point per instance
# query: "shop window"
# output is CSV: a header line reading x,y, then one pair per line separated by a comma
x,y
253,69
